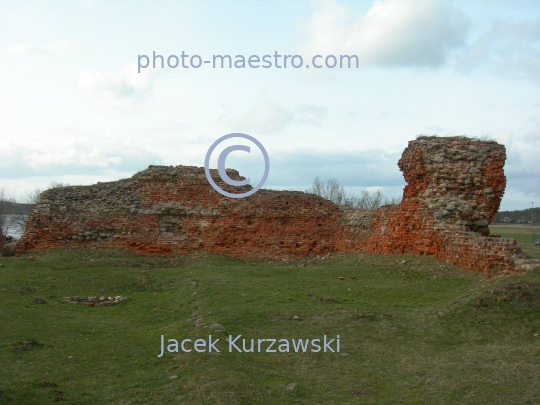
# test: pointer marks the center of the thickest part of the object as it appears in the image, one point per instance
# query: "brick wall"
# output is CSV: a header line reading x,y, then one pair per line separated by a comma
x,y
175,210
454,188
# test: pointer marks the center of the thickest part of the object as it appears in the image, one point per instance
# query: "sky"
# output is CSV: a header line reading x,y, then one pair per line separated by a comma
x,y
75,109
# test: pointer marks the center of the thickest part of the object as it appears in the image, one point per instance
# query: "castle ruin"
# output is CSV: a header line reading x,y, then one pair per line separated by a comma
x,y
454,188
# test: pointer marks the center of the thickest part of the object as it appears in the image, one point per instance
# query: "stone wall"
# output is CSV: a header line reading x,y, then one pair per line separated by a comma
x,y
175,210
454,188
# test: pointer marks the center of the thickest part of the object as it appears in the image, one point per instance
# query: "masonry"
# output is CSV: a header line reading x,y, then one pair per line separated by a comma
x,y
454,188
175,210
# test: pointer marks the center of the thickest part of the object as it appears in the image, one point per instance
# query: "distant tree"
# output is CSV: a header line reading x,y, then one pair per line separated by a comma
x,y
5,223
332,190
57,184
22,206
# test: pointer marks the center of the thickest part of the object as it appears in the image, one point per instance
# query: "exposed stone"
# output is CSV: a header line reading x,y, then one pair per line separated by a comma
x,y
38,301
9,249
291,387
175,210
94,301
481,222
456,236
217,327
454,188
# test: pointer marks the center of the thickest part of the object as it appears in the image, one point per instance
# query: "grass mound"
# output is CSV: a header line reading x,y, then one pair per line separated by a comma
x,y
412,330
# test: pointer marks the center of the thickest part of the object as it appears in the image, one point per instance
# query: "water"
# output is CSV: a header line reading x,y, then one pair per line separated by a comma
x,y
13,230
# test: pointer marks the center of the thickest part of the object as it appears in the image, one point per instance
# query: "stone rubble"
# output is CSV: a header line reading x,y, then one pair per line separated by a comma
x,y
96,301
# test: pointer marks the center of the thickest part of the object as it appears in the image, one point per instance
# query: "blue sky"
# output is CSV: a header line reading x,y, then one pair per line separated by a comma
x,y
74,109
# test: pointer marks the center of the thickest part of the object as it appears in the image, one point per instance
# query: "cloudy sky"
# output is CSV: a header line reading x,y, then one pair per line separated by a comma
x,y
73,107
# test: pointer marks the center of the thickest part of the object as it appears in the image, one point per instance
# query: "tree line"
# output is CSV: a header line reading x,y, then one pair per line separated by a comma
x,y
332,190
15,210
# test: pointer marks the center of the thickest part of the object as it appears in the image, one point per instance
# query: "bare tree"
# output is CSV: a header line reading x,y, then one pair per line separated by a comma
x,y
32,197
5,222
57,184
335,192
330,190
23,205
21,209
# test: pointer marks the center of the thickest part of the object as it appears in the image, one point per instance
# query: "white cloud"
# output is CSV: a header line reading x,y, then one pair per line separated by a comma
x,y
509,48
266,117
423,33
22,48
72,155
117,89
310,114
533,137
391,33
523,165
352,168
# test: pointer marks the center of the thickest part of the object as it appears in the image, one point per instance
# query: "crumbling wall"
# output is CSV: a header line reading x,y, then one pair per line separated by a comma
x,y
175,210
454,188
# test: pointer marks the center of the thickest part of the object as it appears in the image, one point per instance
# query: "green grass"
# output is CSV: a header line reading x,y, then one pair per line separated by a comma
x,y
522,234
413,332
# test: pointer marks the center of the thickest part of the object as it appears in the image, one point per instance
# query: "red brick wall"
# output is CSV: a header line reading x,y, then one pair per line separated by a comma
x,y
409,229
175,210
454,189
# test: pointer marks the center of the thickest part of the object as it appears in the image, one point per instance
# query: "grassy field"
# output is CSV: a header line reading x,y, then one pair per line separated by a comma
x,y
522,234
412,331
